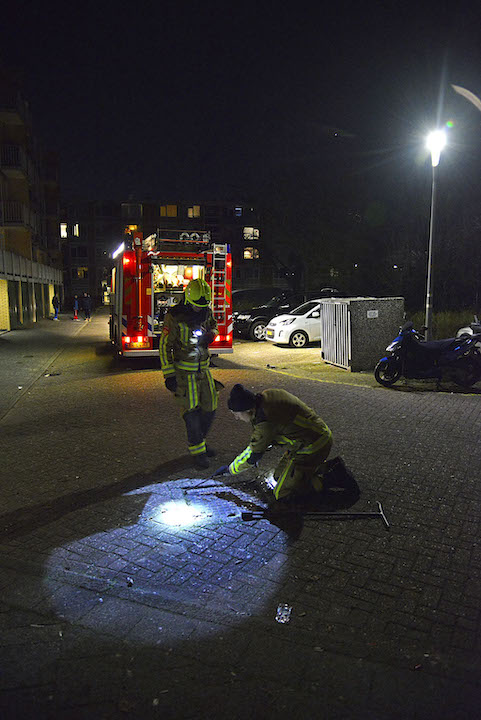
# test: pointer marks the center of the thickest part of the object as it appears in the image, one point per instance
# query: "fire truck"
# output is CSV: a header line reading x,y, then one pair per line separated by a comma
x,y
149,277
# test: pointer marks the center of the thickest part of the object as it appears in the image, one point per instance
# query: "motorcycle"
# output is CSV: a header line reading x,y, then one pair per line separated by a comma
x,y
410,356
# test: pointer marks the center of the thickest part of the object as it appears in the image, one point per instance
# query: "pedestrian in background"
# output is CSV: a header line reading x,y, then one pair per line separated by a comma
x,y
56,306
87,306
75,307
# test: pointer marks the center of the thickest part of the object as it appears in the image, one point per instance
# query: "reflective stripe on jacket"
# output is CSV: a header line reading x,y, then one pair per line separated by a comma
x,y
282,419
180,344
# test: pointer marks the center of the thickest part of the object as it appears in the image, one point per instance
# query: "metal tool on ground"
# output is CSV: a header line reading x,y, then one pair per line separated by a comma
x,y
315,514
203,484
218,481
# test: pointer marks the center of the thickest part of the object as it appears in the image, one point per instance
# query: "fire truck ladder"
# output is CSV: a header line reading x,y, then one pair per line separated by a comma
x,y
219,257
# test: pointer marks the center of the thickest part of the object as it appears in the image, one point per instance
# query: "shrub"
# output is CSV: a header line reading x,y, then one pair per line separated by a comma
x,y
445,324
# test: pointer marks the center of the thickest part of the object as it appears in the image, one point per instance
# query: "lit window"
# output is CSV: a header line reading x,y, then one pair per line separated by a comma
x,y
63,230
82,272
251,253
251,233
194,211
168,211
76,230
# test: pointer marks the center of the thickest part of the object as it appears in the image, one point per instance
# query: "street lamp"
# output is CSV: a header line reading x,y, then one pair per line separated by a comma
x,y
435,142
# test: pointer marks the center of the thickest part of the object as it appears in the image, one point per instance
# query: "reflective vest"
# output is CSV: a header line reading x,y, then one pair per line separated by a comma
x,y
282,419
182,344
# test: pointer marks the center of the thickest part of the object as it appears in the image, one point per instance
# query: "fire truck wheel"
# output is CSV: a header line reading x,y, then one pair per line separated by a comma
x,y
298,339
258,330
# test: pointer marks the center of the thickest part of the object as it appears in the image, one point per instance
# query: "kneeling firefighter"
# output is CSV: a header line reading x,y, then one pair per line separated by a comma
x,y
280,418
189,328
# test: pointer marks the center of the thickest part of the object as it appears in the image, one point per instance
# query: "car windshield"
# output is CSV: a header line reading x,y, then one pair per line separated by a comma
x,y
277,300
304,308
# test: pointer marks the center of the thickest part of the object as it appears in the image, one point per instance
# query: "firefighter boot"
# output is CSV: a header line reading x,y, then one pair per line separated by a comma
x,y
195,439
206,420
201,462
337,475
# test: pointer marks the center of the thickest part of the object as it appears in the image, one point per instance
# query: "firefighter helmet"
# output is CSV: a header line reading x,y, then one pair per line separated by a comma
x,y
198,293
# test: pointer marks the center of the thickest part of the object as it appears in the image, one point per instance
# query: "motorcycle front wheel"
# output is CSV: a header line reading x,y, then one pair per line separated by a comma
x,y
387,372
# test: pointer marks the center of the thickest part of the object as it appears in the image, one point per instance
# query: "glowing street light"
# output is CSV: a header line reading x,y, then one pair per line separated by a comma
x,y
435,143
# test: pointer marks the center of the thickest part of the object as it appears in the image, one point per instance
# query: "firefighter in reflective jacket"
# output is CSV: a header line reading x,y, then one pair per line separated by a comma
x,y
189,328
279,418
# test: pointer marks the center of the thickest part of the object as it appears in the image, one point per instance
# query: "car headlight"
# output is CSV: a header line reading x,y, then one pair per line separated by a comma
x,y
287,321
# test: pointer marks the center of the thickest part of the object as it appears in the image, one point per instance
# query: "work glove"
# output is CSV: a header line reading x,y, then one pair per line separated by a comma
x,y
223,470
171,383
206,338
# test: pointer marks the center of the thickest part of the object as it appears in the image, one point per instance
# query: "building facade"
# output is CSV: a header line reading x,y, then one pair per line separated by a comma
x,y
30,249
92,231
235,223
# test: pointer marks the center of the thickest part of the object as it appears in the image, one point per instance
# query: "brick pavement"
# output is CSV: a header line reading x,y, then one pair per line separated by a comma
x,y
113,608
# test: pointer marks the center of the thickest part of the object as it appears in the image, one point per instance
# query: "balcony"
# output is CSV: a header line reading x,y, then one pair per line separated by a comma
x,y
14,213
13,108
13,161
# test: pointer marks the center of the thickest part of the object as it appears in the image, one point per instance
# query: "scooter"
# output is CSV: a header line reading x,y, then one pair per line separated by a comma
x,y
410,356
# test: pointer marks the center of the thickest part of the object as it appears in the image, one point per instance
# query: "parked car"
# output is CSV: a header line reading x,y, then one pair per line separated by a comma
x,y
247,298
252,322
297,328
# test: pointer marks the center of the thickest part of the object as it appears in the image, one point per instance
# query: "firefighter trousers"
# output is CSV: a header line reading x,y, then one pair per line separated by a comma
x,y
299,473
197,398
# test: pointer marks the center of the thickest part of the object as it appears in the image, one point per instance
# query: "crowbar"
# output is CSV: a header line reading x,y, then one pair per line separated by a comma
x,y
267,514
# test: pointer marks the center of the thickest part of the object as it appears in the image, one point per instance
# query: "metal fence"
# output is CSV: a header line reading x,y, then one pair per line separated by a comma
x,y
336,333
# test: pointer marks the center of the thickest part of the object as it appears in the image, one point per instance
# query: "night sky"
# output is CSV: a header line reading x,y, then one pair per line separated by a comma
x,y
205,99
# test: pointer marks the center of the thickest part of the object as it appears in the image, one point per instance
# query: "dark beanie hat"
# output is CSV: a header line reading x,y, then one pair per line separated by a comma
x,y
241,399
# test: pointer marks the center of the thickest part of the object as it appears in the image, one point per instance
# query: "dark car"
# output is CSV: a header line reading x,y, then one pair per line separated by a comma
x,y
252,322
247,298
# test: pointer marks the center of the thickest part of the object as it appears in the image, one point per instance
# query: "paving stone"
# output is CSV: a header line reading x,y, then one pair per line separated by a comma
x,y
384,624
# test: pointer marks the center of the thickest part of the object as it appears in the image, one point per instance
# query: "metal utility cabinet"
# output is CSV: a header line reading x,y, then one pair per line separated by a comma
x,y
356,331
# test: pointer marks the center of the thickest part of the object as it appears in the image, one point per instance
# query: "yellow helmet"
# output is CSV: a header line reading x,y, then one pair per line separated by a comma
x,y
198,293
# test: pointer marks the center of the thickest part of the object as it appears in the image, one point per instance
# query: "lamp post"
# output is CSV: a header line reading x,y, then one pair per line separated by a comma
x,y
435,142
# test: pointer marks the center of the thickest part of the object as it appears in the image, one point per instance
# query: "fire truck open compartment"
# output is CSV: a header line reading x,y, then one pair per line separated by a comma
x,y
169,280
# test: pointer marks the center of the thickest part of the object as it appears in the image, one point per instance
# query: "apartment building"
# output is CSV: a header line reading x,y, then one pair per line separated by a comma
x,y
234,222
90,232
30,251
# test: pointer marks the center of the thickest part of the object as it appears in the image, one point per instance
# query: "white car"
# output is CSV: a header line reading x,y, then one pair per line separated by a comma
x,y
301,326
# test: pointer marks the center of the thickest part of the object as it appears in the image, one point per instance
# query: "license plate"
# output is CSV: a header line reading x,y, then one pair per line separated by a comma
x,y
138,345
270,333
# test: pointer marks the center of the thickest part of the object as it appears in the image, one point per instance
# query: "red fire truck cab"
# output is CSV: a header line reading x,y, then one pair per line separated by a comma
x,y
149,276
